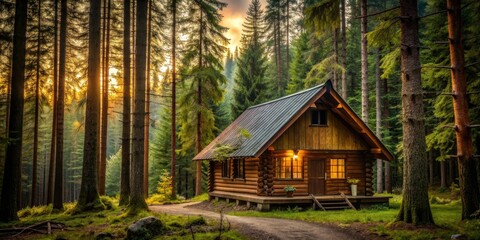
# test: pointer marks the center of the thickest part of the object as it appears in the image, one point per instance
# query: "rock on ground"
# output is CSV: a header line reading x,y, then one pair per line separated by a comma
x,y
145,228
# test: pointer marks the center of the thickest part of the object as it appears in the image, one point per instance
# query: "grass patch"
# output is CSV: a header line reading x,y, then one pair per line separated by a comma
x,y
379,219
199,198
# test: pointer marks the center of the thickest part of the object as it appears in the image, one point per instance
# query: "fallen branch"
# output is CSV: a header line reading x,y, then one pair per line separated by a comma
x,y
42,227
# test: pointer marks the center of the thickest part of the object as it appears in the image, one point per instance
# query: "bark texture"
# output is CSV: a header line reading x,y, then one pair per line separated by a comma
x,y
415,206
137,193
147,103
102,163
13,161
344,51
54,116
198,143
34,196
58,191
364,60
466,163
174,98
125,173
89,198
378,122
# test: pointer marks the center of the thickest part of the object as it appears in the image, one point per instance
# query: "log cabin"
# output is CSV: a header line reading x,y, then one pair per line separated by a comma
x,y
311,140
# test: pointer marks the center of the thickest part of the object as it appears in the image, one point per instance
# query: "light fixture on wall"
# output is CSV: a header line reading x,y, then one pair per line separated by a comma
x,y
295,154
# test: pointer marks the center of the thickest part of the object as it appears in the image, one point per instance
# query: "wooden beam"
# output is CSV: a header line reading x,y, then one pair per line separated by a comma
x,y
375,150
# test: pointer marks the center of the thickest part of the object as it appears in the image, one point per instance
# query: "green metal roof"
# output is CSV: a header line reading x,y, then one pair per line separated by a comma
x,y
267,121
262,121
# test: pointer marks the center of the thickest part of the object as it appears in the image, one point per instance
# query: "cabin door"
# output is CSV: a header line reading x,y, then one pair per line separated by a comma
x,y
316,176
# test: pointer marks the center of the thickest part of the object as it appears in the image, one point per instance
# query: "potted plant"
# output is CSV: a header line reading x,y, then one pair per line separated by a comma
x,y
289,190
353,185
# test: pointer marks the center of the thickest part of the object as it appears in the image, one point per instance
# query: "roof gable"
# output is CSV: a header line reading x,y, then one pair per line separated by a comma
x,y
267,121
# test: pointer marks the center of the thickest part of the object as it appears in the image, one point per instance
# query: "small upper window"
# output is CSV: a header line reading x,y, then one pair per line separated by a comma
x,y
319,117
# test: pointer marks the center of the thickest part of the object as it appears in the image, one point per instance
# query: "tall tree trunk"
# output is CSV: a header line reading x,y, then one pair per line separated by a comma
x,y
277,54
51,169
174,98
364,59
430,169
147,102
335,52
466,163
102,164
125,173
280,60
378,125
198,143
443,175
58,192
34,196
415,206
13,160
89,198
137,193
287,72
134,29
344,52
451,172
386,116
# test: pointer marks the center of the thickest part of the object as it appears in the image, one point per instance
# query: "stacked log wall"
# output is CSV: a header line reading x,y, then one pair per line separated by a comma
x,y
247,185
265,171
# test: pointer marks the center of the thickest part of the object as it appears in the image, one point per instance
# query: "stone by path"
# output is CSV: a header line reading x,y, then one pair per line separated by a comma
x,y
265,228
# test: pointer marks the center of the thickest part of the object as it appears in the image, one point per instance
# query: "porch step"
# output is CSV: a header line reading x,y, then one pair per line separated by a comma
x,y
332,204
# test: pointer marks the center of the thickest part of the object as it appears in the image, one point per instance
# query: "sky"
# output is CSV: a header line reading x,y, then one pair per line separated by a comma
x,y
233,16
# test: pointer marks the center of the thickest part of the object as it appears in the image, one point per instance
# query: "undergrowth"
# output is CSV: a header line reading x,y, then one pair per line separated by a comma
x,y
113,220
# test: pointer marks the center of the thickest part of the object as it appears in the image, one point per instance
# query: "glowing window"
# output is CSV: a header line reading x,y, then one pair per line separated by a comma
x,y
288,168
337,168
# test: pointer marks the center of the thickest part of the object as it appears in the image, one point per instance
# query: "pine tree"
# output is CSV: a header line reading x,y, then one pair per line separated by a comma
x,y
250,84
203,66
274,20
415,206
137,191
329,16
58,192
126,124
300,65
11,175
89,198
34,195
466,163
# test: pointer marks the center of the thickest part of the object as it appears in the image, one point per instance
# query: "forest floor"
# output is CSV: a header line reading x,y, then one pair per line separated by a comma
x,y
111,224
377,222
261,228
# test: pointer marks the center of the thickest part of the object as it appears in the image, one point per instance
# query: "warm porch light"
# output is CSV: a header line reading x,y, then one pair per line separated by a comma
x,y
295,154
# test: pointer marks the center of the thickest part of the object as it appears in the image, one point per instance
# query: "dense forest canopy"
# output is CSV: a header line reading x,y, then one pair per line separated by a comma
x,y
180,60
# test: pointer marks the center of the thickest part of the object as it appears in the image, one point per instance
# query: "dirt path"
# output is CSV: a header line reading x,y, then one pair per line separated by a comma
x,y
265,228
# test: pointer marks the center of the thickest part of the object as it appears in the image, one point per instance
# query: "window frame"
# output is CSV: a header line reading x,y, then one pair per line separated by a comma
x,y
239,168
337,165
226,168
319,113
292,173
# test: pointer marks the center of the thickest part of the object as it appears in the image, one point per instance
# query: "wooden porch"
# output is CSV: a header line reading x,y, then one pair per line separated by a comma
x,y
264,203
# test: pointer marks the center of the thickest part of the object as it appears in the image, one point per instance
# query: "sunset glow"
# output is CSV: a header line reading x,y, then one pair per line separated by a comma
x,y
233,17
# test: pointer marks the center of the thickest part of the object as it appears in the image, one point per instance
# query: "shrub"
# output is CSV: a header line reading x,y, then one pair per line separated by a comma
x,y
35,211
